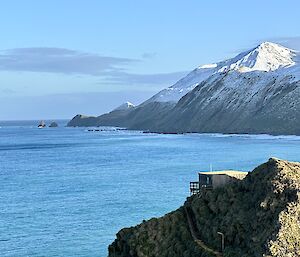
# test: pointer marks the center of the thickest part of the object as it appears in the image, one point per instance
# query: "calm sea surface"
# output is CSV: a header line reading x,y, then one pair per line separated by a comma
x,y
67,191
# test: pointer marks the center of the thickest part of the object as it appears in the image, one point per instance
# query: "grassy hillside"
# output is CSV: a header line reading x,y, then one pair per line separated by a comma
x,y
259,216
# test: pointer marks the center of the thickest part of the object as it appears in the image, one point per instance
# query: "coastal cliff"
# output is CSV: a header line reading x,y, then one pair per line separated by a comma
x,y
259,216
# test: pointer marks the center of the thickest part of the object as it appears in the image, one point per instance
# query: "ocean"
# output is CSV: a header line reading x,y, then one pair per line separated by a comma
x,y
68,191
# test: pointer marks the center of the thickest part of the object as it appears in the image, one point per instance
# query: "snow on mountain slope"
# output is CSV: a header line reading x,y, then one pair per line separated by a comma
x,y
184,85
235,89
265,57
124,106
235,102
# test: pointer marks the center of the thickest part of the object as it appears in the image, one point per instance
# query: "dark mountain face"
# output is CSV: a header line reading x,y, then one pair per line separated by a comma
x,y
140,118
238,103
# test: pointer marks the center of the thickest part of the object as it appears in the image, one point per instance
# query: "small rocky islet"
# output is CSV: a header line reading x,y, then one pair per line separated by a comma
x,y
53,125
258,216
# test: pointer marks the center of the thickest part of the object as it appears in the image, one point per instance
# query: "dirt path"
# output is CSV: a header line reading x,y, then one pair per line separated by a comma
x,y
193,230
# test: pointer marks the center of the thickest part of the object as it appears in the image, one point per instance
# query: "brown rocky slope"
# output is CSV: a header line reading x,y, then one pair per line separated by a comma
x,y
259,216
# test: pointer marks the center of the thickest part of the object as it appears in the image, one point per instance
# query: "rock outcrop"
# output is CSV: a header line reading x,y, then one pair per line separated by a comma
x,y
53,125
82,121
259,216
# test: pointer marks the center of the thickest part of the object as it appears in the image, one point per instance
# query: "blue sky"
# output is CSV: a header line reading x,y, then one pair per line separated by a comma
x,y
59,58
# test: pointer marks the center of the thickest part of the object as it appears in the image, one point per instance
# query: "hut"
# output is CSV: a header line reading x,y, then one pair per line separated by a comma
x,y
214,179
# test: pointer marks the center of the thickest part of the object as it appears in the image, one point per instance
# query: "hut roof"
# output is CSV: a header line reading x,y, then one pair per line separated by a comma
x,y
231,173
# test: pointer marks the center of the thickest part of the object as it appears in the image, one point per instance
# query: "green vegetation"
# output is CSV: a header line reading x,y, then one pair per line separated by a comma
x,y
259,216
165,237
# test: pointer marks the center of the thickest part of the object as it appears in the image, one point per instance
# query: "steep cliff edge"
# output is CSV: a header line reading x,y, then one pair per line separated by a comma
x,y
259,216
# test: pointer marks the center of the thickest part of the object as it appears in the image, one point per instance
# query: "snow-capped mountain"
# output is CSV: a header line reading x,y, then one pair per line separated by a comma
x,y
124,106
258,91
265,57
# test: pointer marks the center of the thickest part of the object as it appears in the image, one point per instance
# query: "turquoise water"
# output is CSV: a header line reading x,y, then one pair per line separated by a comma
x,y
67,191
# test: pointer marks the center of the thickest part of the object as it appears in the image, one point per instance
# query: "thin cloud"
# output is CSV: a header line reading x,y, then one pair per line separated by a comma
x,y
7,91
123,78
149,55
110,70
60,60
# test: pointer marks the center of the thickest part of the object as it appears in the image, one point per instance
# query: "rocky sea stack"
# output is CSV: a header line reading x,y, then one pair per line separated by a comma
x,y
53,125
259,216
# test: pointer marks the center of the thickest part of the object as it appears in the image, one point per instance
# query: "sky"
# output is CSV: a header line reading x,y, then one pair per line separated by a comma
x,y
63,57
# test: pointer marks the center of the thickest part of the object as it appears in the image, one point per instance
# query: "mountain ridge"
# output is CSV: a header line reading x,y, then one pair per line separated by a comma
x,y
257,90
266,56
